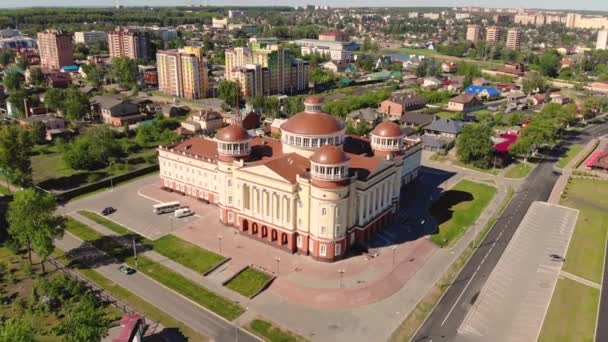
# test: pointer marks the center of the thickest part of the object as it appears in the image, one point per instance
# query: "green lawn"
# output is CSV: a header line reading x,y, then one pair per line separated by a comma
x,y
82,230
248,282
187,254
270,333
572,313
585,256
520,170
492,171
448,115
410,51
183,252
458,208
162,274
573,150
131,299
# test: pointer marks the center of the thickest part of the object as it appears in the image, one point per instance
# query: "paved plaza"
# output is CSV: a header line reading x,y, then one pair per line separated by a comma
x,y
518,291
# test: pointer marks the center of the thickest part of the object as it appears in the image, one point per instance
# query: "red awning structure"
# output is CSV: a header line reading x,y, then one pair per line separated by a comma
x,y
593,159
504,142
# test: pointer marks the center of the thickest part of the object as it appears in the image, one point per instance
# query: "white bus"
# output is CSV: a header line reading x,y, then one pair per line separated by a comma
x,y
168,207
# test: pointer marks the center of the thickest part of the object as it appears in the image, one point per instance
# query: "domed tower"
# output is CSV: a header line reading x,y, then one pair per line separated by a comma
x,y
387,139
305,132
329,203
233,143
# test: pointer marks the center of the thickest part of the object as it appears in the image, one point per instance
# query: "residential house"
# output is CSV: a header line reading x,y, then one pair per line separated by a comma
x,y
416,120
483,92
559,99
480,81
431,83
464,103
54,126
454,84
116,111
335,66
171,111
537,100
367,115
449,67
501,147
58,80
205,121
440,134
396,106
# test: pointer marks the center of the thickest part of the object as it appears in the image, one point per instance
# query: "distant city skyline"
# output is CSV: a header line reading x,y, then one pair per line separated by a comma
x,y
591,5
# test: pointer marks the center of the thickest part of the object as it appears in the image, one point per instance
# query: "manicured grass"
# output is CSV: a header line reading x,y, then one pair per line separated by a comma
x,y
458,208
585,256
187,254
270,333
81,230
492,171
113,226
572,313
136,302
424,307
573,150
410,51
447,115
248,282
520,170
183,252
163,275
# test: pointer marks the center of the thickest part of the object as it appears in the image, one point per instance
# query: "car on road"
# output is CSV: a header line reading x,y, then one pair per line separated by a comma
x,y
126,269
107,211
556,257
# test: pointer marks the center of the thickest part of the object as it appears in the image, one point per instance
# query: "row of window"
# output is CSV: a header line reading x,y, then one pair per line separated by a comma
x,y
234,148
329,172
311,142
387,142
322,247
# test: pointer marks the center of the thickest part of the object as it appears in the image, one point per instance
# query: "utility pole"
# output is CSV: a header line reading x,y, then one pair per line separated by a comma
x,y
134,250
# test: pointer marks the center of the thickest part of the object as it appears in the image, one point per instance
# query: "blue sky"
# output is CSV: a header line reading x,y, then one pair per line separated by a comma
x,y
601,5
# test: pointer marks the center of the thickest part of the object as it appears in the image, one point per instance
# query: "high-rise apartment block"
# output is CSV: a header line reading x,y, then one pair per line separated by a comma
x,y
493,34
602,40
90,37
124,42
514,36
266,69
56,49
473,33
182,73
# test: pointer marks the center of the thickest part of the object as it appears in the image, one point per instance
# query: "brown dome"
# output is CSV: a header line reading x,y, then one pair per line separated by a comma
x,y
387,129
313,124
313,99
232,133
329,155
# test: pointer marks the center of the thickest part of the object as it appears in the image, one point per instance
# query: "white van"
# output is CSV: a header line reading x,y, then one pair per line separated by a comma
x,y
183,212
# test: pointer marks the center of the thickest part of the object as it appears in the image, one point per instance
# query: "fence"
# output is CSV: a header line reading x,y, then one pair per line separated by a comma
x,y
104,183
102,294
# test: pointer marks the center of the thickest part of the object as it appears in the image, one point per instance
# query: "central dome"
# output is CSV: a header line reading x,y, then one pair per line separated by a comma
x,y
329,154
312,121
232,133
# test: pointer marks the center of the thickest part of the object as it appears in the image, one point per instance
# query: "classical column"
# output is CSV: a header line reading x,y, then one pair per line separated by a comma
x,y
360,206
293,212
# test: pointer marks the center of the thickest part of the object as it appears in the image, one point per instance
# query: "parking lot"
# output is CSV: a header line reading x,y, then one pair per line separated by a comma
x,y
134,210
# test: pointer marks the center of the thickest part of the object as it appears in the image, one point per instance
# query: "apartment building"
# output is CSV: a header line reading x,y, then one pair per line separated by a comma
x,y
125,42
575,20
602,40
55,48
90,37
514,37
493,34
332,36
335,50
473,33
182,73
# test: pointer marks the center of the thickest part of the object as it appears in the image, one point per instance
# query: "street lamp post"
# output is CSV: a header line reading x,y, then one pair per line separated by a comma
x,y
219,240
134,250
110,163
278,262
341,271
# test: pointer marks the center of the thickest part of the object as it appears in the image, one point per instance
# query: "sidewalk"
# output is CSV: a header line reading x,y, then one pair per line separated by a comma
x,y
562,181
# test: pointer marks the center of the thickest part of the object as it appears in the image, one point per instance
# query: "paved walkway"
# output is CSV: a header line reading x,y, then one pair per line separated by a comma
x,y
177,306
580,280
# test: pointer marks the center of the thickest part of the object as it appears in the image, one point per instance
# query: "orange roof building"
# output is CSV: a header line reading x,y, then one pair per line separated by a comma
x,y
316,191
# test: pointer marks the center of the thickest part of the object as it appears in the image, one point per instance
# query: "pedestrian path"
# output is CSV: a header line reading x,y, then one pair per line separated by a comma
x,y
580,280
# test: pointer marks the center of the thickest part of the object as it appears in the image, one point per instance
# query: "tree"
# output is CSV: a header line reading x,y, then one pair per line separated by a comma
x,y
534,83
13,81
37,77
92,150
16,97
474,145
124,69
17,330
32,222
227,91
84,321
7,57
76,104
320,76
54,98
549,63
94,74
15,150
38,131
540,132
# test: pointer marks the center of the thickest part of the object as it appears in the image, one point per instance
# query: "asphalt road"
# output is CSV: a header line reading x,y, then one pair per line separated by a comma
x,y
168,301
446,318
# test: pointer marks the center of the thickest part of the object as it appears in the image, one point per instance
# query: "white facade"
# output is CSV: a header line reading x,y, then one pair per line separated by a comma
x,y
90,37
336,51
602,40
